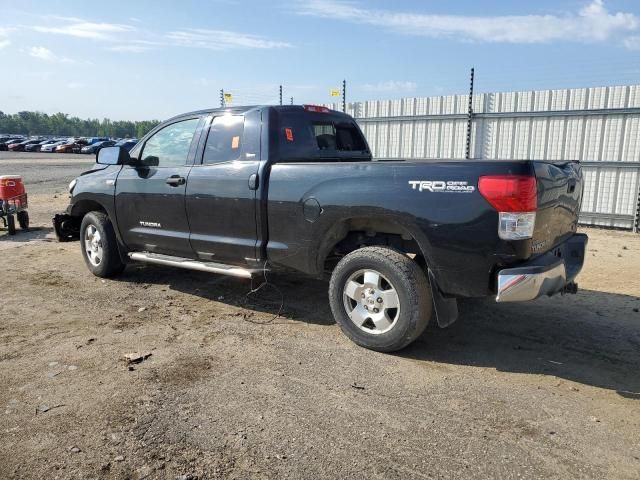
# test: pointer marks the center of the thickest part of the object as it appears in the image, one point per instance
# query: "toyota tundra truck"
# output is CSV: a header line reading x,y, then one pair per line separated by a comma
x,y
243,190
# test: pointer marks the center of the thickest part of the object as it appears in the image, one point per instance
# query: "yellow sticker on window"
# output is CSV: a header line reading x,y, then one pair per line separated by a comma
x,y
235,142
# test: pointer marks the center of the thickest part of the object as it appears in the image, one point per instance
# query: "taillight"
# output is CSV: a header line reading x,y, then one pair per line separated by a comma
x,y
316,108
515,198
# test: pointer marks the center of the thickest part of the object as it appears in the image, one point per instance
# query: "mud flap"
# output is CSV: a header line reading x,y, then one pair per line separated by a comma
x,y
446,309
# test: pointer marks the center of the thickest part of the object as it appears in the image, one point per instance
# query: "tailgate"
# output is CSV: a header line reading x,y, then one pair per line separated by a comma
x,y
559,200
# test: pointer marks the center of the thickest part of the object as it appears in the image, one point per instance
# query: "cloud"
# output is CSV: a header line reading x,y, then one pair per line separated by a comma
x,y
129,39
129,48
79,28
4,38
221,40
75,85
391,86
632,42
47,55
592,23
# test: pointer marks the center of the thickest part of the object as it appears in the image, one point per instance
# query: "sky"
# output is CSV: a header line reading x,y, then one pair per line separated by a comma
x,y
136,60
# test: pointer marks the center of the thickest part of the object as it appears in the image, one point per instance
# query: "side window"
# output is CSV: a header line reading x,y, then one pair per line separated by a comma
x,y
169,147
224,142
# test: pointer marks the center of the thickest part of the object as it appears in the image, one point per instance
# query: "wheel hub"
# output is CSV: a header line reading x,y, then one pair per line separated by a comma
x,y
371,301
93,245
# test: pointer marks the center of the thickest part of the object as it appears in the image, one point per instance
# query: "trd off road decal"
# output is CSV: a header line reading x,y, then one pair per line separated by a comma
x,y
437,186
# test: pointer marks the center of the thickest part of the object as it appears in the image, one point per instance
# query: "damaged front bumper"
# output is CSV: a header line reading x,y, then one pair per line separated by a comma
x,y
67,228
547,274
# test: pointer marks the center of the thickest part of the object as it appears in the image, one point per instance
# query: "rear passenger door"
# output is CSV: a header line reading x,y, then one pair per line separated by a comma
x,y
221,190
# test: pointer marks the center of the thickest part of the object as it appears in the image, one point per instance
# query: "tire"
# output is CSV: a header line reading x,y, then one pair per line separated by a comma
x,y
99,246
366,285
11,224
23,220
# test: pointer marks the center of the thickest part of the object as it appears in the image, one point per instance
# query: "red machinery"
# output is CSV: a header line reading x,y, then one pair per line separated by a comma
x,y
13,201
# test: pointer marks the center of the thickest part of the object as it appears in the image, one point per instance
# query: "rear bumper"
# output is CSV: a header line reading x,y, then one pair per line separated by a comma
x,y
547,274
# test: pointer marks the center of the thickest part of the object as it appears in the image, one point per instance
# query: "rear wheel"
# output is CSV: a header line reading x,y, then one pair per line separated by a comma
x,y
99,247
23,220
380,298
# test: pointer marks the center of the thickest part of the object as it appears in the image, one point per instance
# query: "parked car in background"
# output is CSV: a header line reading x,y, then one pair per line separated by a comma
x,y
71,146
127,143
95,147
19,146
35,147
5,138
4,146
94,140
51,147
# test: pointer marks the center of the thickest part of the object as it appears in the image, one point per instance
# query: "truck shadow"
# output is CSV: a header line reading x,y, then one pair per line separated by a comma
x,y
291,296
592,338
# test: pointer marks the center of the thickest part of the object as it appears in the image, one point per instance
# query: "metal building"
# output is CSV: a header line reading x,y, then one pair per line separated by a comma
x,y
598,126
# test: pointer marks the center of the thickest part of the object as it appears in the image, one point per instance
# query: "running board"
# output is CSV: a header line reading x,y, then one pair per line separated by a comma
x,y
189,264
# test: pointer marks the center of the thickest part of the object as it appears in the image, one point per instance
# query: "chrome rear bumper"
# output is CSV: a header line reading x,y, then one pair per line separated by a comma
x,y
545,275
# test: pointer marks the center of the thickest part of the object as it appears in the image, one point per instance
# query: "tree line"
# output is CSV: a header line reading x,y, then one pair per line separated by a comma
x,y
61,124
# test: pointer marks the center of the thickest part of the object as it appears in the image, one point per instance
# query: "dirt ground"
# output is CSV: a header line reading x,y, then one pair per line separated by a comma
x,y
549,389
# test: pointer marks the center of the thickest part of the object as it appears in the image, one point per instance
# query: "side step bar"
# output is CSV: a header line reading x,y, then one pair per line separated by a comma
x,y
189,264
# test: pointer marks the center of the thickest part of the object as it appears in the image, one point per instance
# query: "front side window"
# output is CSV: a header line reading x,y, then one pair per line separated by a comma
x,y
169,147
224,142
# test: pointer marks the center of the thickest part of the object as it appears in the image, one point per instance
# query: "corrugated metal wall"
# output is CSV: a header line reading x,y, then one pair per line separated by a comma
x,y
598,126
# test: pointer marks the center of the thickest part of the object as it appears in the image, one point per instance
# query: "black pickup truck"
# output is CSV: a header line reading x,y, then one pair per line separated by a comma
x,y
241,190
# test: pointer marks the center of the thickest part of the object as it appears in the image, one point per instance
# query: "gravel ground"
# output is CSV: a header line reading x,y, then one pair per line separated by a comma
x,y
549,389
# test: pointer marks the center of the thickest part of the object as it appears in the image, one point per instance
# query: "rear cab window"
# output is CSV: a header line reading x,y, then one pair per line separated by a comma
x,y
321,137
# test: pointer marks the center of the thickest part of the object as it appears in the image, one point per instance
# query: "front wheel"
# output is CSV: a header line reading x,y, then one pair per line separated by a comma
x,y
380,298
99,247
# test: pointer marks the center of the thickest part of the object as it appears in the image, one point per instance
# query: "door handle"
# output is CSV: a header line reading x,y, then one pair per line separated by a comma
x,y
175,180
253,181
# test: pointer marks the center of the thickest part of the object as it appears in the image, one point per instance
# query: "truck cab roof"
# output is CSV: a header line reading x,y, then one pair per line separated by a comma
x,y
243,110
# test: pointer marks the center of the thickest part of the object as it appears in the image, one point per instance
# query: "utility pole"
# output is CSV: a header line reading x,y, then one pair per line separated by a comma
x,y
344,95
222,98
280,94
470,117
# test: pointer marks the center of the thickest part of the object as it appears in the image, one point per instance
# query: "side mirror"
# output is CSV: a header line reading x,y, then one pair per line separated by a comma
x,y
113,156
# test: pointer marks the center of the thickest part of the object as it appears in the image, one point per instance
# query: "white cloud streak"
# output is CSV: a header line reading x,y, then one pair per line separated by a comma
x,y
129,39
592,23
221,40
4,38
47,55
130,48
76,27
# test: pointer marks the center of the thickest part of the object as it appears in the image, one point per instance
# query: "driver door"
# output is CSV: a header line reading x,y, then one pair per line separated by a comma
x,y
150,196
